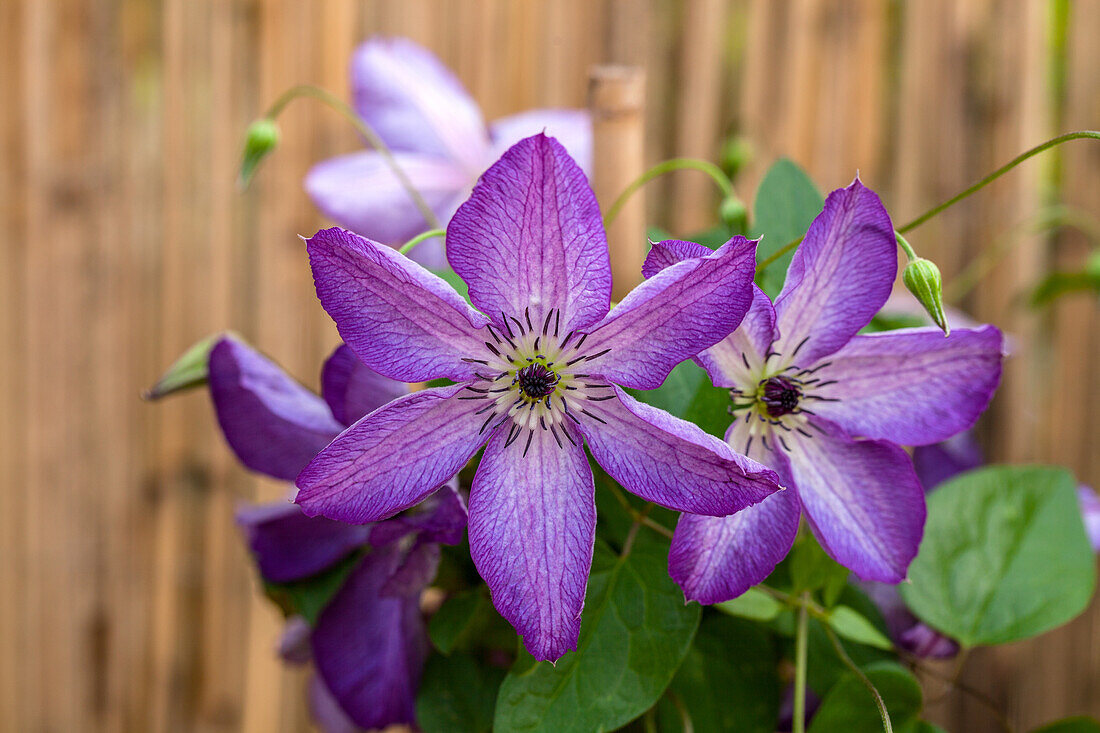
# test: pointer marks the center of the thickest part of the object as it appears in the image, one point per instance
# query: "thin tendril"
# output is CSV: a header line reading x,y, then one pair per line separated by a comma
x,y
668,166
1082,134
430,234
882,711
372,138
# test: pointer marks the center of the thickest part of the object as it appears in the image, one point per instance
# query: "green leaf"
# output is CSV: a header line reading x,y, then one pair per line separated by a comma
x,y
825,666
920,726
451,277
753,603
310,596
187,372
1078,724
457,695
1057,284
1004,556
688,394
728,681
851,625
811,569
459,618
786,202
850,707
635,631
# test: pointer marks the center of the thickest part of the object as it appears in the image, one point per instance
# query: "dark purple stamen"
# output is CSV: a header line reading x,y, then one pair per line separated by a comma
x,y
536,381
781,396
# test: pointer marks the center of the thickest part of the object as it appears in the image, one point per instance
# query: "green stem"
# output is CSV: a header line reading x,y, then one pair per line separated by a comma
x,y
1082,134
882,711
430,234
800,658
668,166
906,246
372,138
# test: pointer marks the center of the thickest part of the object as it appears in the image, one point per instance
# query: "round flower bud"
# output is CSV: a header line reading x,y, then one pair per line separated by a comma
x,y
922,278
733,213
262,137
737,153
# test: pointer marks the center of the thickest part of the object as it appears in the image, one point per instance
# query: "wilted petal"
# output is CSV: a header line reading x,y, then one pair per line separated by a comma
x,y
571,127
360,192
400,319
840,276
369,648
911,386
290,546
352,389
531,236
862,498
392,459
674,315
937,463
672,462
532,529
415,103
274,425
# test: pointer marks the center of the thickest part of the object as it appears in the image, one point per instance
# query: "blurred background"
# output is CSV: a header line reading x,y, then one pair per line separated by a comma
x,y
126,598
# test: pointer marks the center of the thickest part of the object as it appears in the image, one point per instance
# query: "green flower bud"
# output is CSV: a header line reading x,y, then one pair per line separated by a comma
x,y
262,137
733,213
737,153
923,280
189,371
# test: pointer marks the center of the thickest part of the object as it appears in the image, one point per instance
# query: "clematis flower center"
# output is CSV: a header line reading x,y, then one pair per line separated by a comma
x,y
780,395
535,378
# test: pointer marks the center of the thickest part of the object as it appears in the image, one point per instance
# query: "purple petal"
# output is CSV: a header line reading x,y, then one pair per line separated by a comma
x,y
360,192
840,275
912,386
369,649
926,642
326,712
393,458
672,462
674,315
416,571
531,236
667,253
714,559
289,546
936,463
294,643
415,103
400,319
1090,512
731,361
274,425
571,127
440,518
532,529
862,498
352,389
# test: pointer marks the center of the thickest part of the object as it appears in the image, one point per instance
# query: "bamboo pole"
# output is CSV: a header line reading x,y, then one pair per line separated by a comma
x,y
616,99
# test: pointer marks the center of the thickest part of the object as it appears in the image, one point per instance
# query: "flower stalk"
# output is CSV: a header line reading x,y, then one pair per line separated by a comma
x,y
674,164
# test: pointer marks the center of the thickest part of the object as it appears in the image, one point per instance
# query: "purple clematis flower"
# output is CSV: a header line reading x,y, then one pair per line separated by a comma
x,y
369,643
537,374
828,408
439,139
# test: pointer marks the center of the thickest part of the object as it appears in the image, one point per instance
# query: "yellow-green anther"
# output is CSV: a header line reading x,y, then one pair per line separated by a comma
x,y
261,139
922,278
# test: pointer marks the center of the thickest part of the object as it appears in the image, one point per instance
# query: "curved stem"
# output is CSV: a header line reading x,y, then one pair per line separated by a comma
x,y
906,246
372,138
1082,134
882,711
801,640
668,166
430,234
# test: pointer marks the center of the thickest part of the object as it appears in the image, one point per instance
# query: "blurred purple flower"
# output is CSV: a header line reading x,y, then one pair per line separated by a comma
x,y
541,372
1090,510
369,643
439,139
829,409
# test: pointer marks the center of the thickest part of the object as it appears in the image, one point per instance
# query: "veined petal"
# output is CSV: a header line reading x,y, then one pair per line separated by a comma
x,y
393,458
352,389
369,648
912,386
360,192
290,546
668,252
415,103
441,518
571,127
531,236
274,425
532,529
398,318
674,315
862,499
672,462
840,276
